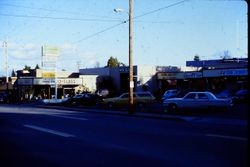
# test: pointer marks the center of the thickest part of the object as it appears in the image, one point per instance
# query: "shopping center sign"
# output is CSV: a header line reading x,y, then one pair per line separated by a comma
x,y
50,55
59,81
50,81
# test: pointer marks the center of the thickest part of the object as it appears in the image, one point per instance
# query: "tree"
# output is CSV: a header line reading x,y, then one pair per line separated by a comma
x,y
113,62
13,74
37,67
27,67
196,58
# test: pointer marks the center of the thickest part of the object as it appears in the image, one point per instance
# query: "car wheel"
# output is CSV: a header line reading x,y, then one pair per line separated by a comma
x,y
172,107
110,104
140,105
74,103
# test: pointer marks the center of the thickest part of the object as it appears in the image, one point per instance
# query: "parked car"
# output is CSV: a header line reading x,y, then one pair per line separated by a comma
x,y
169,94
225,94
82,99
197,100
140,99
103,93
241,96
182,93
4,98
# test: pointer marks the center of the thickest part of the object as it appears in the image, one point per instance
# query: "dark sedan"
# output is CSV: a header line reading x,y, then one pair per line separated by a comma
x,y
4,98
83,99
241,96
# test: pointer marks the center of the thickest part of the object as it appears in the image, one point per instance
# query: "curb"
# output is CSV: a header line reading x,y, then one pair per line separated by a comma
x,y
123,113
192,119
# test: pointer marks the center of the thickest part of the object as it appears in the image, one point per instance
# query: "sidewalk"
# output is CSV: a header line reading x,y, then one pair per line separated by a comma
x,y
165,116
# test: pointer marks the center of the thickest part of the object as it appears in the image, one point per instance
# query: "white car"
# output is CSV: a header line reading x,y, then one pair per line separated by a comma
x,y
197,100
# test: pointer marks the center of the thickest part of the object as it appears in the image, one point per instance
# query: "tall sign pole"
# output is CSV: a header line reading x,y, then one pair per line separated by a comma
x,y
131,78
56,81
50,56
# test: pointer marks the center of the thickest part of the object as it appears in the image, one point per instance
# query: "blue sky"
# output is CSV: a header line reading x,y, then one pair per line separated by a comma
x,y
168,36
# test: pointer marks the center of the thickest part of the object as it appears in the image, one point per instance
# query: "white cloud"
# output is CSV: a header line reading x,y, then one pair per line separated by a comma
x,y
68,53
20,55
89,58
70,56
25,51
67,47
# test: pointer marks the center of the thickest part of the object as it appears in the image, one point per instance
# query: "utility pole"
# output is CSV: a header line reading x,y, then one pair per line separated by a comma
x,y
131,73
131,78
5,45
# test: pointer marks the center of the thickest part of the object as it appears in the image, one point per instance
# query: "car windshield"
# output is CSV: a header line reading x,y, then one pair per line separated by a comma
x,y
124,95
190,96
78,96
242,92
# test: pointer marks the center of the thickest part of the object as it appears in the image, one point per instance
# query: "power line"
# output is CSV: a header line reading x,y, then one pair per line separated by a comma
x,y
92,20
159,9
99,32
25,23
58,18
53,10
158,22
76,13
116,25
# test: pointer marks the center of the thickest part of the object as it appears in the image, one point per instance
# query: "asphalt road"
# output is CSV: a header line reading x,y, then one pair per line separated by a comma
x,y
48,137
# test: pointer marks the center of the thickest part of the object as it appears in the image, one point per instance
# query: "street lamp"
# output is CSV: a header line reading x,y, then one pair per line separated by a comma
x,y
118,10
131,80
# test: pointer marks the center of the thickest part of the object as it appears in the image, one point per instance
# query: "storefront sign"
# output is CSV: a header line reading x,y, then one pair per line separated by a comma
x,y
124,69
166,75
48,74
234,72
193,75
60,81
69,81
44,81
225,72
24,81
167,69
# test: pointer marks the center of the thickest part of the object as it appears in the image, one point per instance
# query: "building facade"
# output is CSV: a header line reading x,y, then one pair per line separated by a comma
x,y
118,78
211,75
32,85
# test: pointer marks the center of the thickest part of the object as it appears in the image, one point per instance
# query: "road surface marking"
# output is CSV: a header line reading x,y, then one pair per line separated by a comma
x,y
227,137
76,118
49,131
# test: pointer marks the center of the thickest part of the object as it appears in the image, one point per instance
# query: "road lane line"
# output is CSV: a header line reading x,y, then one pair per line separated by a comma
x,y
76,118
227,137
49,131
